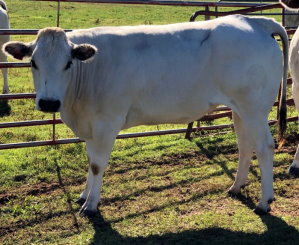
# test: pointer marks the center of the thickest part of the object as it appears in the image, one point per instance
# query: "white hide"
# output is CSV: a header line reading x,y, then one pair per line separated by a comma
x,y
164,74
4,24
294,69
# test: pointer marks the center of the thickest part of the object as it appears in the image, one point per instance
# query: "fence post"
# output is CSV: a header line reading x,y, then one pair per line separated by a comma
x,y
58,14
207,9
54,115
189,131
283,12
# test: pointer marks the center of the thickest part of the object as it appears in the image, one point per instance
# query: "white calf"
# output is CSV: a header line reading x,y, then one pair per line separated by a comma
x,y
106,79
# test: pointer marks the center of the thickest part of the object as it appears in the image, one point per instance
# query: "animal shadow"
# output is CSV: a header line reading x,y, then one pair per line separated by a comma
x,y
105,234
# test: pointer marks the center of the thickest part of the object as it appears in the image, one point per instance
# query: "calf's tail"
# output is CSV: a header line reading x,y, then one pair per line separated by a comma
x,y
274,28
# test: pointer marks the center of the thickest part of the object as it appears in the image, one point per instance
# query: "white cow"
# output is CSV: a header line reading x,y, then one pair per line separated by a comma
x,y
4,24
106,79
294,65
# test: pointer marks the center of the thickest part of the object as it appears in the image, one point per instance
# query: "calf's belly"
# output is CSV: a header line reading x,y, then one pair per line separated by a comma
x,y
164,112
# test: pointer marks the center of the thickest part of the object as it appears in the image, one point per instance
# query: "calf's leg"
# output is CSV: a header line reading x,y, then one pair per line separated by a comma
x,y
98,150
263,143
245,148
84,194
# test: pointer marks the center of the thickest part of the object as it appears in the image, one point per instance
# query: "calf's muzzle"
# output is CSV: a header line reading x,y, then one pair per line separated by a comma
x,y
49,105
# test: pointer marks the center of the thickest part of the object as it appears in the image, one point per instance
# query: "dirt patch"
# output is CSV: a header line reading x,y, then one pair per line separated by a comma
x,y
35,190
47,188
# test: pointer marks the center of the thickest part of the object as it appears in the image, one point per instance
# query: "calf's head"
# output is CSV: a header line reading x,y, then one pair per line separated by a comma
x,y
52,56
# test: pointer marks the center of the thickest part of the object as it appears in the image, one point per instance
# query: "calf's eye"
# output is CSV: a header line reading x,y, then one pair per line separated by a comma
x,y
68,65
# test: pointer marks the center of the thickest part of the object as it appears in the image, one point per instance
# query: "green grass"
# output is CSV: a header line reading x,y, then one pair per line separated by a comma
x,y
157,190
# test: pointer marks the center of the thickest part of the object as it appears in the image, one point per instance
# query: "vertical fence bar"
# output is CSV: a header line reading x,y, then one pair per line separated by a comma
x,y
283,12
54,128
58,14
54,115
189,131
207,9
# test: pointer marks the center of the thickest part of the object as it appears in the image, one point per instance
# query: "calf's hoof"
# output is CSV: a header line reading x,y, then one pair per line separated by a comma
x,y
232,193
271,200
294,171
80,201
88,213
261,211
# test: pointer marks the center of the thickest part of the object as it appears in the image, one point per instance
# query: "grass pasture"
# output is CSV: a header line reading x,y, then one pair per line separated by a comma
x,y
157,190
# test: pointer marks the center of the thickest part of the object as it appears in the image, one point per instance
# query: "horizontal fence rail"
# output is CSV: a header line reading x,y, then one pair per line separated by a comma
x,y
126,136
168,3
14,64
209,117
222,111
239,11
35,31
23,31
17,96
30,123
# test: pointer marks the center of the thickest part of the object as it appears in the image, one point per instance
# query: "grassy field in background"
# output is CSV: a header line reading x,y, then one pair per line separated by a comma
x,y
157,190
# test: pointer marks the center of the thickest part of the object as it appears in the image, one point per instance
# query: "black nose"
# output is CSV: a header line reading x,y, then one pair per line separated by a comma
x,y
49,105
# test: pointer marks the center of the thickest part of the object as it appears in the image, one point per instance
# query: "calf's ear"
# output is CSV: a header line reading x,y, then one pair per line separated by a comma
x,y
18,50
84,52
